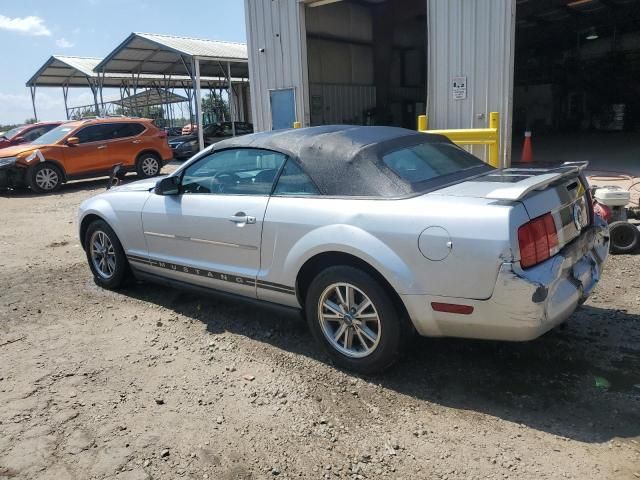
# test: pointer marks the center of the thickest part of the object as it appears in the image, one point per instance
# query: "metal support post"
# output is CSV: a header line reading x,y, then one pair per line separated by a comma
x,y
33,101
196,87
231,100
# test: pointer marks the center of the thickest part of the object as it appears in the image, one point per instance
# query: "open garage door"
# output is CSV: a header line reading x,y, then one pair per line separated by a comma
x,y
367,61
577,82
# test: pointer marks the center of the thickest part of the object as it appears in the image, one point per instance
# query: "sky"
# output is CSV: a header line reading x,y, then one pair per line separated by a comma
x,y
33,30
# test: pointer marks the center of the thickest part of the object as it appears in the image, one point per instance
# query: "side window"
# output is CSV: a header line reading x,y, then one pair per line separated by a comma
x,y
94,133
33,134
123,130
241,171
293,181
131,130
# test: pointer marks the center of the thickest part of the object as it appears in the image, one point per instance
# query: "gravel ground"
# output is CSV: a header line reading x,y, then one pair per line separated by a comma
x,y
151,382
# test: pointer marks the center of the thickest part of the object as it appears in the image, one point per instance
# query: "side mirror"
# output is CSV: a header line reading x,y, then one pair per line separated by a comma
x,y
19,140
168,186
73,141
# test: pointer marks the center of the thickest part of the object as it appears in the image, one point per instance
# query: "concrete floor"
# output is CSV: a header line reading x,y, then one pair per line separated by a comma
x,y
614,157
606,152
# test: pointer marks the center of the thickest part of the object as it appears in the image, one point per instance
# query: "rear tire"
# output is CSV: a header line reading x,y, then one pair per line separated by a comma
x,y
624,236
105,255
148,165
44,177
363,339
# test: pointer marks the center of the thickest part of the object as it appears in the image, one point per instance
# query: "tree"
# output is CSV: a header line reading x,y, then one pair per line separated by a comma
x,y
29,121
215,108
6,128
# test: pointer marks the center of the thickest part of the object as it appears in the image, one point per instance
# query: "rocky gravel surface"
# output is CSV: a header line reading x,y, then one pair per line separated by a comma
x,y
154,383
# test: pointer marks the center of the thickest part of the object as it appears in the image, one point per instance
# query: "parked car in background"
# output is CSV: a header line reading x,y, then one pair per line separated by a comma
x,y
187,145
189,128
26,133
374,232
83,149
173,131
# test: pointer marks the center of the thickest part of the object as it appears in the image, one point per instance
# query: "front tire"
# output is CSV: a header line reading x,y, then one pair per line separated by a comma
x,y
105,255
148,165
352,316
44,177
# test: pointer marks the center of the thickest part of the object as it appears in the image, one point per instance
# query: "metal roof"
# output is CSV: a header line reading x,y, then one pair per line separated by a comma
x,y
150,97
149,53
61,70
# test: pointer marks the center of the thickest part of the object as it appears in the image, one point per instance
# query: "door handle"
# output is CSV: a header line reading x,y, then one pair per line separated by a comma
x,y
242,218
101,147
136,141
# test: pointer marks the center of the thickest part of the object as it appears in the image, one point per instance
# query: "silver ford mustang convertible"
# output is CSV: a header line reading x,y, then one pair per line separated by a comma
x,y
374,232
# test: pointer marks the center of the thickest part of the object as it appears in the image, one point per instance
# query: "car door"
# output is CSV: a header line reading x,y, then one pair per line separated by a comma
x,y
89,154
210,233
124,144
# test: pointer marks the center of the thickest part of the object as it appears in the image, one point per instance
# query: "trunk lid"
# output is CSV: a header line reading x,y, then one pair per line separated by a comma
x,y
561,191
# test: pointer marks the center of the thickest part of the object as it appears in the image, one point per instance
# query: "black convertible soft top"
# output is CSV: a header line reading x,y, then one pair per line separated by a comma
x,y
345,160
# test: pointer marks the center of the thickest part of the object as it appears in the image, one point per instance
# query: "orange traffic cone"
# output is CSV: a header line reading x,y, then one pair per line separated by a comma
x,y
527,149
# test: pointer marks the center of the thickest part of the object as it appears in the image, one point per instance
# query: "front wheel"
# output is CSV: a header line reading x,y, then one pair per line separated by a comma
x,y
105,255
148,165
44,178
355,319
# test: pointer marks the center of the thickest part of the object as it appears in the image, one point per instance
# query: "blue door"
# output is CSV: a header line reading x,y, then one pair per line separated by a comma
x,y
283,108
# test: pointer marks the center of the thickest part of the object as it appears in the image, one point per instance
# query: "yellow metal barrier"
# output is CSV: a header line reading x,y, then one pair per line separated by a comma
x,y
472,136
297,125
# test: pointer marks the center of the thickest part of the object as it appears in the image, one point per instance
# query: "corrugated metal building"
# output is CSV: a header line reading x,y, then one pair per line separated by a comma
x,y
566,70
381,62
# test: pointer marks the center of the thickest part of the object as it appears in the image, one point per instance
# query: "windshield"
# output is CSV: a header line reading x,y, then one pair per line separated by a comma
x,y
53,136
427,161
13,132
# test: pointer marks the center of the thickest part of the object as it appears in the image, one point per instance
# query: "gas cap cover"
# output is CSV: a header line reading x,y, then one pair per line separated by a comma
x,y
435,243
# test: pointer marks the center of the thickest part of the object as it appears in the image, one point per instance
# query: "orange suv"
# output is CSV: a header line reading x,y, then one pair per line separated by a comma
x,y
84,149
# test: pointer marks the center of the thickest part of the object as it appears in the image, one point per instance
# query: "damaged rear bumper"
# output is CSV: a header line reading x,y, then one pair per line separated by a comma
x,y
525,303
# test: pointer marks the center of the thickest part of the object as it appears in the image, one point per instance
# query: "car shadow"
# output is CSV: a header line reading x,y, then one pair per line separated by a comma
x,y
578,381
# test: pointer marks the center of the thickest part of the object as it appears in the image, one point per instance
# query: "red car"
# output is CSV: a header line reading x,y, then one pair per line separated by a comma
x,y
26,133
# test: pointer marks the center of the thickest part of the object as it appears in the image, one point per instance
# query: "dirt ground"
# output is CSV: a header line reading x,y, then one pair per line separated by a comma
x,y
151,382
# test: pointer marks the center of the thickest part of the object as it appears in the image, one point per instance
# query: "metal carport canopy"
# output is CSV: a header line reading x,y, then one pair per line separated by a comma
x,y
148,53
149,98
69,71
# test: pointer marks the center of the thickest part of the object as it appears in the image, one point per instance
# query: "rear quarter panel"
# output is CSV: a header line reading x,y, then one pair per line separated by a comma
x,y
385,233
156,140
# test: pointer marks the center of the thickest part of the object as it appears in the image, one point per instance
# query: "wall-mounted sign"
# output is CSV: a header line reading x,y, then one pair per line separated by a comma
x,y
459,88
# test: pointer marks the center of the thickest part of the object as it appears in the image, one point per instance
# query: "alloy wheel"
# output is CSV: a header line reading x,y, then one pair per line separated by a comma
x,y
349,320
103,255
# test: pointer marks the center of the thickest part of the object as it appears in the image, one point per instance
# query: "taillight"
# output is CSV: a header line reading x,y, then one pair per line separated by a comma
x,y
538,240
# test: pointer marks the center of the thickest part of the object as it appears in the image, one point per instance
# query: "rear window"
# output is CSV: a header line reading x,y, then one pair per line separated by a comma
x,y
427,161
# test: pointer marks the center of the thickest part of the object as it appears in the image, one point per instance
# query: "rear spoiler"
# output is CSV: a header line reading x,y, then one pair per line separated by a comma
x,y
537,179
